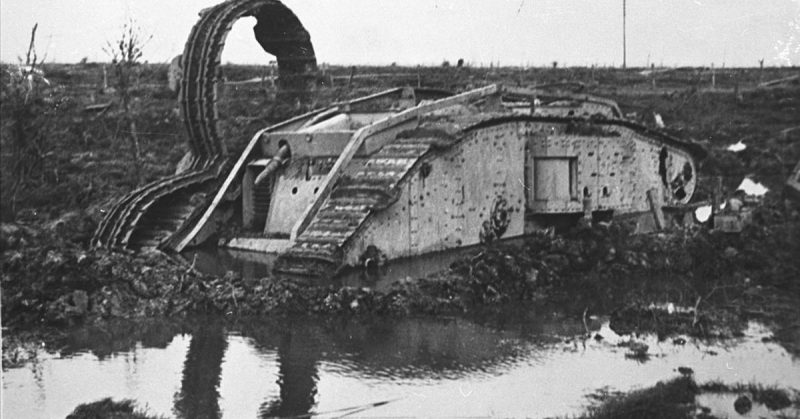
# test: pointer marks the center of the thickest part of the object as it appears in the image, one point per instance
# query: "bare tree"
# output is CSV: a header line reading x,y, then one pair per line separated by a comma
x,y
24,107
126,53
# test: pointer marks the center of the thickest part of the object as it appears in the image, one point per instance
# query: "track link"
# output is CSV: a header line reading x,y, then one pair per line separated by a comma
x,y
376,185
280,33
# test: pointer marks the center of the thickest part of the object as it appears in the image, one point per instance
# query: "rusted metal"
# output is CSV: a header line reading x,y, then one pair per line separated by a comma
x,y
445,174
373,187
274,164
361,135
564,103
408,198
266,143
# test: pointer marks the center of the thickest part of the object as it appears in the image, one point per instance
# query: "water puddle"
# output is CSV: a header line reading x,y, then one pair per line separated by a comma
x,y
752,188
217,262
541,367
739,146
703,214
254,265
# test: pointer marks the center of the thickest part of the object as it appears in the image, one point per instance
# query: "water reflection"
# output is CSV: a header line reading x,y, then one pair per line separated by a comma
x,y
386,367
254,265
298,356
217,262
198,397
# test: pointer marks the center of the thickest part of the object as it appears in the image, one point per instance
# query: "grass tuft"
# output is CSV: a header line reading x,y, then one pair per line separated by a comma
x,y
666,400
109,409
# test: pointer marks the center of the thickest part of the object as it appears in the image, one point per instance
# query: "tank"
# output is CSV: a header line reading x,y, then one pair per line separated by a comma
x,y
402,173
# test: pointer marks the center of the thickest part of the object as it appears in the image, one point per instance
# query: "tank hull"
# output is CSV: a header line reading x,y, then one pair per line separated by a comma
x,y
432,175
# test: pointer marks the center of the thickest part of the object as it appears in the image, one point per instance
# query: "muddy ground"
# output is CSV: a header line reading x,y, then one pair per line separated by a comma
x,y
81,161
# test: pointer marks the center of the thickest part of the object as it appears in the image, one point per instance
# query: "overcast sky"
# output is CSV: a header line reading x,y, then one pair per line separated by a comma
x,y
513,32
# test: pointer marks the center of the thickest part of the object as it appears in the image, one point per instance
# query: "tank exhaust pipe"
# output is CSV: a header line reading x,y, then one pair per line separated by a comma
x,y
280,158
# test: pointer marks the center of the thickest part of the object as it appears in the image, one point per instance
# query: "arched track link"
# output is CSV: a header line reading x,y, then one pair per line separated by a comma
x,y
149,215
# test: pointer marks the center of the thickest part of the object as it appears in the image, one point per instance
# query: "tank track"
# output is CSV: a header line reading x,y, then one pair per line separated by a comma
x,y
119,224
375,186
280,33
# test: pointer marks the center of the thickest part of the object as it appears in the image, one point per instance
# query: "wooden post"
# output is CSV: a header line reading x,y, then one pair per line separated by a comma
x,y
105,78
713,77
272,77
419,78
350,80
624,43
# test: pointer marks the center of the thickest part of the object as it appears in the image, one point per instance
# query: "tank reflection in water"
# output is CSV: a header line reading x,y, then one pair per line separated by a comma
x,y
252,265
376,367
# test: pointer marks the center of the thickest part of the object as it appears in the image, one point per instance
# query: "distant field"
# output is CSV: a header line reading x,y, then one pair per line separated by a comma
x,y
451,76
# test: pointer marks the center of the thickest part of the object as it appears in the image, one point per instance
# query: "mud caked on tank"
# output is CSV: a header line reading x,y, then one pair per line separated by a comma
x,y
396,174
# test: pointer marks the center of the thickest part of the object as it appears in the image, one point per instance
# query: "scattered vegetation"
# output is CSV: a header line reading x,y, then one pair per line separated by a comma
x,y
109,409
771,397
26,110
666,400
125,54
676,399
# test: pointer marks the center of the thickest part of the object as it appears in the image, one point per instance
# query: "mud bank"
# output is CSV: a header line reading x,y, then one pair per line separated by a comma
x,y
717,281
108,408
682,397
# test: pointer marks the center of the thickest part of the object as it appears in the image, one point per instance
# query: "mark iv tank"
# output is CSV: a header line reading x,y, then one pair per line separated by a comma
x,y
400,173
